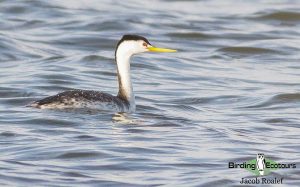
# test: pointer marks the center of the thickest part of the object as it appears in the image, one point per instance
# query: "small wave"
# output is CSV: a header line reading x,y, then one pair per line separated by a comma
x,y
204,100
94,58
278,99
75,174
288,97
47,121
281,16
220,182
71,155
166,124
277,120
146,66
7,134
191,35
12,49
33,23
180,107
15,9
248,50
9,92
86,137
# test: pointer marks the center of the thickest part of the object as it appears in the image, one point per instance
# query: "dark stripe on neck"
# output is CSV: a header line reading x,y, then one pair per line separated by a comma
x,y
121,93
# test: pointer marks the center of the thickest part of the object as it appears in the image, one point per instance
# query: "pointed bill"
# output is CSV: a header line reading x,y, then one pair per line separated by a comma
x,y
163,50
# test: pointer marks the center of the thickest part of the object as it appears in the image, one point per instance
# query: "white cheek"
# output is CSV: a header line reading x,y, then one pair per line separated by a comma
x,y
129,48
138,48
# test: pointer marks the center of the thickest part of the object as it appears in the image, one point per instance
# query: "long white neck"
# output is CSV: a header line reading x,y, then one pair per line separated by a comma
x,y
125,85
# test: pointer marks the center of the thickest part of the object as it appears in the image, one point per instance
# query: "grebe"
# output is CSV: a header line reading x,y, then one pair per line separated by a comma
x,y
125,101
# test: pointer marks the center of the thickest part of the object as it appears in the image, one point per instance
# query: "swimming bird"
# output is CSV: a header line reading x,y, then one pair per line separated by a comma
x,y
128,46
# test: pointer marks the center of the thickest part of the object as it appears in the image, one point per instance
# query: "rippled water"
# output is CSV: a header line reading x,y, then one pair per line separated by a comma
x,y
231,91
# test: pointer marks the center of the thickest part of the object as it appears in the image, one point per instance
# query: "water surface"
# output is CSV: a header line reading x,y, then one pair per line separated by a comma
x,y
232,91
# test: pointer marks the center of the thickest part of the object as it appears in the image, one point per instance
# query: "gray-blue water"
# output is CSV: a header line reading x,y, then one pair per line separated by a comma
x,y
231,91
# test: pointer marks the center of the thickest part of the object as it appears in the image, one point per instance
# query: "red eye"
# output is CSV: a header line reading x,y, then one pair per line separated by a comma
x,y
145,44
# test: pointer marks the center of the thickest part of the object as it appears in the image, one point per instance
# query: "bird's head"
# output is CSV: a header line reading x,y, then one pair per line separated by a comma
x,y
134,44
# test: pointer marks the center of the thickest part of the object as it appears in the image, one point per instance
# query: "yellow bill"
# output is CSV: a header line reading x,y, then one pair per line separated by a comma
x,y
163,50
